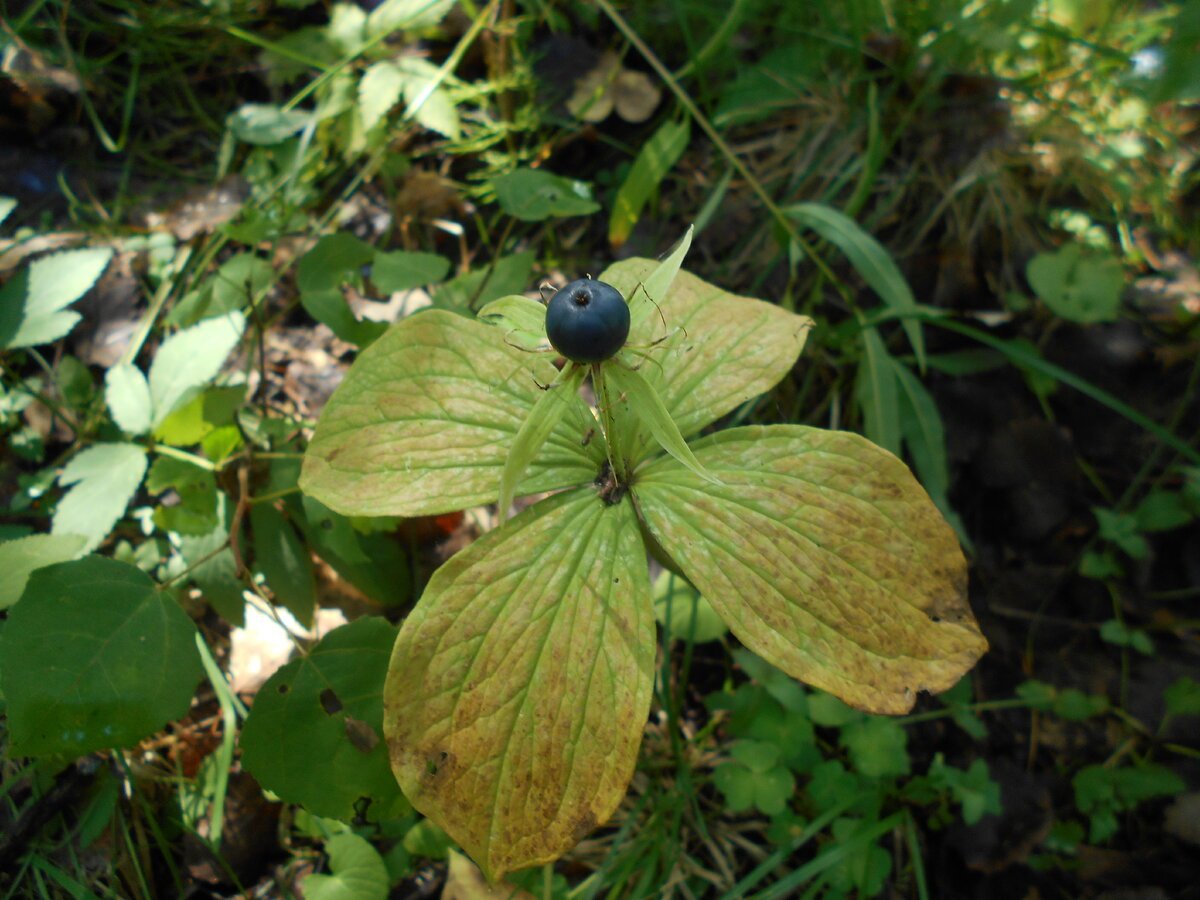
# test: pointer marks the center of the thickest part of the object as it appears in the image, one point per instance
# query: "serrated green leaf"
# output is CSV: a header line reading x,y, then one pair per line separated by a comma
x,y
102,480
552,408
403,270
21,557
128,397
656,158
824,557
200,416
727,349
378,92
94,656
870,260
423,421
877,747
534,195
314,736
520,683
214,570
392,15
523,321
359,872
876,390
620,385
190,359
33,302
428,102
756,755
284,561
265,124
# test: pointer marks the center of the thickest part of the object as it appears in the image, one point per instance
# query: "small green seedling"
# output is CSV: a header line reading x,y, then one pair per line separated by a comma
x,y
520,684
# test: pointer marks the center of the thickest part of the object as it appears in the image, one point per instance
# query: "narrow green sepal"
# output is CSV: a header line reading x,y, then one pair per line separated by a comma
x,y
649,408
658,282
546,413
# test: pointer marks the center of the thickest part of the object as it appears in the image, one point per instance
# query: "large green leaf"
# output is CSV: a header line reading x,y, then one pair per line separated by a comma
x,y
314,735
520,684
102,480
725,350
94,656
824,556
424,420
870,259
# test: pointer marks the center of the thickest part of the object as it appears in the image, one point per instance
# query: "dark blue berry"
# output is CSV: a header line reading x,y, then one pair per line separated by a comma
x,y
587,321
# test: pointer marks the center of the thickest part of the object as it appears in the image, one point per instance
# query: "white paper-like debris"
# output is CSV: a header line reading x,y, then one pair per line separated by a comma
x,y
263,645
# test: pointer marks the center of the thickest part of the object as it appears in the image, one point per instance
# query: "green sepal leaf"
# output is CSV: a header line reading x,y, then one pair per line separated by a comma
x,y
520,683
127,394
102,480
726,350
314,736
523,321
551,408
422,423
22,557
626,386
94,656
870,260
284,561
33,303
359,872
824,556
647,301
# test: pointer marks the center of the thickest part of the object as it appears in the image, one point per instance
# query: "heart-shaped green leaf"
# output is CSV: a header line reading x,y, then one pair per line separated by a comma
x,y
424,420
94,656
520,683
359,872
824,556
313,736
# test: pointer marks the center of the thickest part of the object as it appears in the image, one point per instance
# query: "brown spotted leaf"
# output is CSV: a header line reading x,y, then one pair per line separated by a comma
x,y
723,349
520,683
824,556
424,420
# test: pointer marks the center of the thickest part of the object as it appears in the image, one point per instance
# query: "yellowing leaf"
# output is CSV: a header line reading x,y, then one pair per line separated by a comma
x,y
726,349
520,684
824,556
424,420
